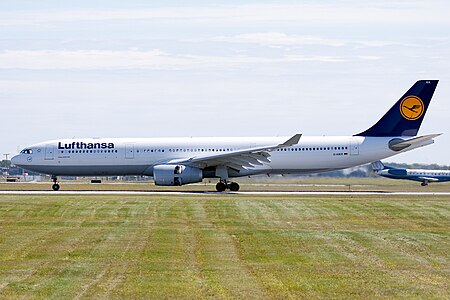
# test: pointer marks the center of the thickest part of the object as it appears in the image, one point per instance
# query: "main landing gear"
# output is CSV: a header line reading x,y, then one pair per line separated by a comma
x,y
222,185
55,185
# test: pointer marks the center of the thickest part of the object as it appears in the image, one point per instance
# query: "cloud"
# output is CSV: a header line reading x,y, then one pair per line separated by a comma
x,y
276,39
87,59
134,59
347,12
280,39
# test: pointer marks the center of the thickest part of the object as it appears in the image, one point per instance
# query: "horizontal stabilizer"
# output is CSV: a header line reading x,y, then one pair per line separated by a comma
x,y
415,142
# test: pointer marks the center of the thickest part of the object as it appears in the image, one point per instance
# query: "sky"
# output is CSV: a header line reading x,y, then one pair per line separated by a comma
x,y
218,68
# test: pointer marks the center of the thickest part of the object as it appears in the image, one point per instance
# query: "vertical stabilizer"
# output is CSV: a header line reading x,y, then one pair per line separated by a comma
x,y
405,117
378,166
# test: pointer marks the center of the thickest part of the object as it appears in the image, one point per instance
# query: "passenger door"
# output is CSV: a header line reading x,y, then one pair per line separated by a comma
x,y
49,152
129,151
354,147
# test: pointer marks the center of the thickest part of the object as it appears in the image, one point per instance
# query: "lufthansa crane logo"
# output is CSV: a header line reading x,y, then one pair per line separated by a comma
x,y
411,108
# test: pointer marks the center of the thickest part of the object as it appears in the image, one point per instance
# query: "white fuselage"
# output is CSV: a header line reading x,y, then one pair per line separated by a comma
x,y
128,156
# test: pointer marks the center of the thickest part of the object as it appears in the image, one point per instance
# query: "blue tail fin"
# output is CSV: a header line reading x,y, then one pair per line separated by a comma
x,y
378,166
405,117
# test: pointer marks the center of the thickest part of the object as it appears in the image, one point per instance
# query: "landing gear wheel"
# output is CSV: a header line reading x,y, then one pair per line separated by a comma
x,y
424,184
234,186
221,186
55,185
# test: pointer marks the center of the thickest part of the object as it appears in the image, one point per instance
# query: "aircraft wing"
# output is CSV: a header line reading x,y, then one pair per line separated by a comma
x,y
239,159
429,179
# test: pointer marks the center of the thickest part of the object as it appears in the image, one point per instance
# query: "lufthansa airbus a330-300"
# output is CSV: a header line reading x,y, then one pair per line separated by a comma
x,y
179,161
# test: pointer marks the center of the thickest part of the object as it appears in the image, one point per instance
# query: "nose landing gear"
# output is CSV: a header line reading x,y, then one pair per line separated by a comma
x,y
55,185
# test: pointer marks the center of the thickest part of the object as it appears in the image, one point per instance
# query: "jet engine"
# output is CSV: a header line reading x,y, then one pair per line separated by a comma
x,y
170,175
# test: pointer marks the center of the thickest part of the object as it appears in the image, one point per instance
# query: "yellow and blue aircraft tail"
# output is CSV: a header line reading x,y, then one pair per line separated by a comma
x,y
405,117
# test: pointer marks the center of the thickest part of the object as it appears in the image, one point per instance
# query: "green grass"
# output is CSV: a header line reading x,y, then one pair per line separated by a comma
x,y
224,246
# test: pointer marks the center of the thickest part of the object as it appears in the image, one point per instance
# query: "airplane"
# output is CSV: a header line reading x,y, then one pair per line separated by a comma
x,y
424,176
180,161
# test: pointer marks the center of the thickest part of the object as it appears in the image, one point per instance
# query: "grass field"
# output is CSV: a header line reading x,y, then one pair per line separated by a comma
x,y
224,246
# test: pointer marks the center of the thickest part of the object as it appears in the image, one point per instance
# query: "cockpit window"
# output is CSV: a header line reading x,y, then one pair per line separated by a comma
x,y
26,151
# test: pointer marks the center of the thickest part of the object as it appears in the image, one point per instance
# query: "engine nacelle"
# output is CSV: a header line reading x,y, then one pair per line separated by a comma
x,y
176,175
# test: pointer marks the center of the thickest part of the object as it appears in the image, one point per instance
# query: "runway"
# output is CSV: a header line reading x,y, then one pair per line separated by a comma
x,y
138,193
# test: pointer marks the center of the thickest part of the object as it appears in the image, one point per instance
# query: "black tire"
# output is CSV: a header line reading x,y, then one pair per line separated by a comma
x,y
221,187
234,187
55,187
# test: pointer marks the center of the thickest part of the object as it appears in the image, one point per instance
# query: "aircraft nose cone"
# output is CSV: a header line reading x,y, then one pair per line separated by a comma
x,y
15,159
